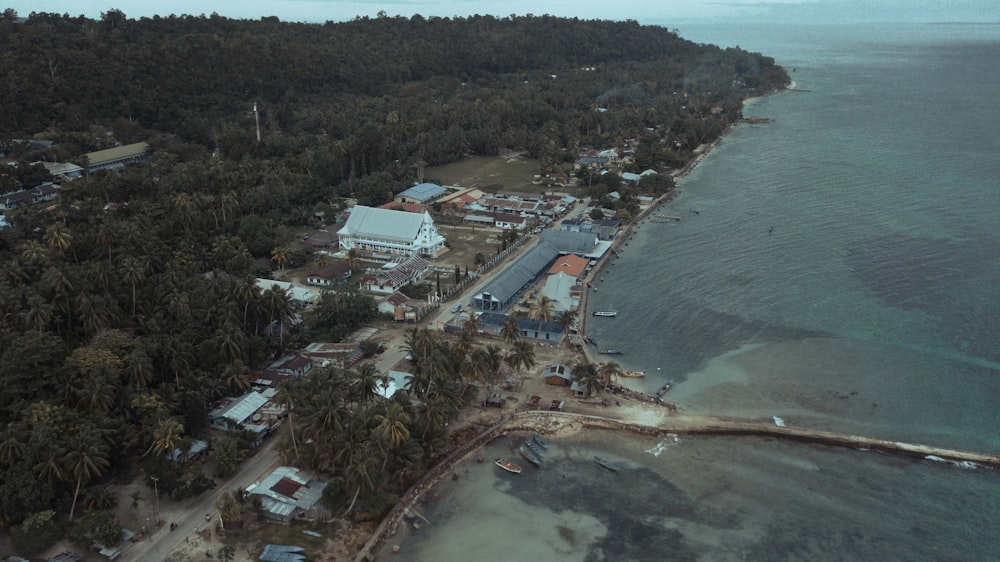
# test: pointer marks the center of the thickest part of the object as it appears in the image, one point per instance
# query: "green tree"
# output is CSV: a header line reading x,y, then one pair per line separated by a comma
x,y
37,532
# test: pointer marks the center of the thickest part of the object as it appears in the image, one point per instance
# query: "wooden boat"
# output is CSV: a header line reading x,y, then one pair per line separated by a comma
x,y
540,440
663,389
529,456
605,313
609,352
633,374
590,340
507,465
534,448
604,463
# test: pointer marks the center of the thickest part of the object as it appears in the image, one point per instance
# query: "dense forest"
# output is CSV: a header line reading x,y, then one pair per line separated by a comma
x,y
129,303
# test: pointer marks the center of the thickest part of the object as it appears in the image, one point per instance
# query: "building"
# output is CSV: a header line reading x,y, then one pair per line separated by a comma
x,y
422,193
557,374
509,221
63,171
392,303
561,288
408,207
394,275
330,274
15,199
117,157
299,296
295,365
570,264
393,382
391,233
493,323
326,354
287,493
606,229
255,412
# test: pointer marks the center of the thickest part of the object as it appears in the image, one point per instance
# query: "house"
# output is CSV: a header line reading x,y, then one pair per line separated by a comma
x,y
509,221
320,239
287,493
15,199
282,553
295,365
462,197
255,412
196,449
394,275
422,193
606,229
390,304
330,274
557,374
117,157
575,225
393,233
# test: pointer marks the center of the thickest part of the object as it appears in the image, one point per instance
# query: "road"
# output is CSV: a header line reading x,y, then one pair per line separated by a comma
x,y
161,543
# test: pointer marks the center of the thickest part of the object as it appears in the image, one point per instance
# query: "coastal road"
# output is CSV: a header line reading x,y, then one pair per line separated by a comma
x,y
161,543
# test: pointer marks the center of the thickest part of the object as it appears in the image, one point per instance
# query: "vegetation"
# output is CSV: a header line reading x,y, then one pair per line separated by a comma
x,y
129,303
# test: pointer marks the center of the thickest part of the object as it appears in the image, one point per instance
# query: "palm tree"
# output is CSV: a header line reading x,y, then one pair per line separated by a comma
x,y
84,461
236,376
392,427
133,271
281,256
11,449
58,237
361,473
34,253
138,369
167,436
542,309
567,322
609,370
366,381
511,330
246,292
285,399
521,355
587,373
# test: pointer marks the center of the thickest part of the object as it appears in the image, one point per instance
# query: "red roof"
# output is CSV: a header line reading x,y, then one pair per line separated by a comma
x,y
570,265
408,207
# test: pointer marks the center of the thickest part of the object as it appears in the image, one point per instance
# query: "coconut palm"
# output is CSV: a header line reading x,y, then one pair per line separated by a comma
x,y
34,252
281,257
511,330
588,375
608,370
366,381
236,376
285,398
521,355
58,237
543,310
167,436
133,271
85,460
392,428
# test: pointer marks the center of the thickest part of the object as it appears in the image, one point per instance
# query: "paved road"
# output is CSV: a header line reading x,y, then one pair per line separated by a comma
x,y
160,544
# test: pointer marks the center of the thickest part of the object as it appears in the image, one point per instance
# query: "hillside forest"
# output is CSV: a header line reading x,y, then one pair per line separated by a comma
x,y
129,303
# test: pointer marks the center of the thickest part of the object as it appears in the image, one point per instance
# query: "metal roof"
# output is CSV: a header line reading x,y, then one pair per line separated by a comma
x,y
371,222
117,153
243,407
423,191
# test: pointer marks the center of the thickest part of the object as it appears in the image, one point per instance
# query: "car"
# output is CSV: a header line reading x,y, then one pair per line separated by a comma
x,y
457,308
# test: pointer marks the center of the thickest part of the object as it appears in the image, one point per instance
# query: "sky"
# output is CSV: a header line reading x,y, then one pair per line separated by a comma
x,y
658,12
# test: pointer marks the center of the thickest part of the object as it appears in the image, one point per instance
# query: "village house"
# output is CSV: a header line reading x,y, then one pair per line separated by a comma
x,y
390,304
391,233
295,365
255,412
394,381
300,297
330,274
287,493
508,221
63,171
15,199
493,323
557,374
326,354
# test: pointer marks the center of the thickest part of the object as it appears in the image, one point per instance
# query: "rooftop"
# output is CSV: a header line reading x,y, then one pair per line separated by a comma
x,y
423,191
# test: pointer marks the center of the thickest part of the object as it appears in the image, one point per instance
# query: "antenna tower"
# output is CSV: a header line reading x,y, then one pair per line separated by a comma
x,y
256,117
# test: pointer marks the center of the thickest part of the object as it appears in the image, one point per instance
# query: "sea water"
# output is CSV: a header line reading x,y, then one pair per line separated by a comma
x,y
837,268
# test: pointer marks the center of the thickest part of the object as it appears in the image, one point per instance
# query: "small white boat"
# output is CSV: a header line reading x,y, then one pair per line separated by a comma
x,y
606,313
507,465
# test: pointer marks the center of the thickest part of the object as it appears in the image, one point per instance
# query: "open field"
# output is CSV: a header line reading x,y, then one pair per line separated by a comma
x,y
506,174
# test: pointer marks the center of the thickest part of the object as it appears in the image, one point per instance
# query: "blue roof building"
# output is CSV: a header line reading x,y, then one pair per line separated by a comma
x,y
421,193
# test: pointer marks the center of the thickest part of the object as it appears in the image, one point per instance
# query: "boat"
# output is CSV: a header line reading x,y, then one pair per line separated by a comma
x,y
633,374
540,440
507,465
605,313
604,463
529,456
590,340
609,352
534,448
663,389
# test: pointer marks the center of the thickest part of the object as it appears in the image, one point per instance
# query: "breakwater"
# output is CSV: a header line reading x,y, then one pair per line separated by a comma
x,y
547,422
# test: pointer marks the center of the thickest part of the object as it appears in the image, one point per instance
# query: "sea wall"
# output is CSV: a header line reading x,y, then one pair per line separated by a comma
x,y
549,422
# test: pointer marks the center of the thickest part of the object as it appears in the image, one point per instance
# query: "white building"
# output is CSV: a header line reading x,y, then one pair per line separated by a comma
x,y
388,232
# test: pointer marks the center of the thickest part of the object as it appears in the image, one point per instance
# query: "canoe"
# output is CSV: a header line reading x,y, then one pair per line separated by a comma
x,y
540,440
507,465
633,374
663,389
534,448
606,464
606,313
531,457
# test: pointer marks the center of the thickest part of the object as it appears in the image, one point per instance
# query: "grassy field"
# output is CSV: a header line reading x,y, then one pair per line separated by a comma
x,y
507,174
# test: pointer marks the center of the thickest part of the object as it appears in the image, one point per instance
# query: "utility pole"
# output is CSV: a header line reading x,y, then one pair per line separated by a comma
x,y
156,501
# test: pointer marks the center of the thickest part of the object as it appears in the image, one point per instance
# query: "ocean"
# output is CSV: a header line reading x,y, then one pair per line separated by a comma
x,y
837,267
